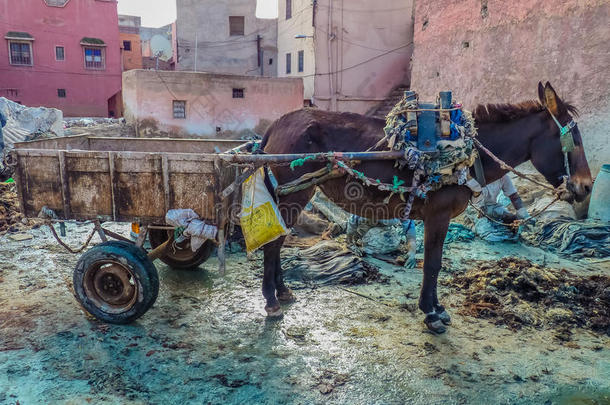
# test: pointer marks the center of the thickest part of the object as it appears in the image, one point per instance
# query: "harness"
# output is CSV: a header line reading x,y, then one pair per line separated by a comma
x,y
566,137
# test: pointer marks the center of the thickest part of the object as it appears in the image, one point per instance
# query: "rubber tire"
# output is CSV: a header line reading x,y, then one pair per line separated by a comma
x,y
145,275
158,236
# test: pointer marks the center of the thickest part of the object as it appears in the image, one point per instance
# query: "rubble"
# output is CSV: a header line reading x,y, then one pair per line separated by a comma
x,y
96,126
516,293
11,220
91,121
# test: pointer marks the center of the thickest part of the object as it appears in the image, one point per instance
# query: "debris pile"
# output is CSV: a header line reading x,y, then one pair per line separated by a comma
x,y
10,217
99,127
516,292
93,121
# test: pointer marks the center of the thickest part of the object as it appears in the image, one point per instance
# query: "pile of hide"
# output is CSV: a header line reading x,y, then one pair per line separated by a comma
x,y
327,263
453,157
570,237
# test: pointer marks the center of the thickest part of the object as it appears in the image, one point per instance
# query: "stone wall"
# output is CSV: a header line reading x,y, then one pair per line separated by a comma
x,y
497,51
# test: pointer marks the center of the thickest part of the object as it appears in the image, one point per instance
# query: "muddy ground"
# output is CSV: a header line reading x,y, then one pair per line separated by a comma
x,y
207,340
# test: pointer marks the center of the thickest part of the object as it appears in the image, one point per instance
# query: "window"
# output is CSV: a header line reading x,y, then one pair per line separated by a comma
x,y
288,9
238,93
301,60
127,45
56,3
179,109
288,63
236,26
21,53
94,58
271,61
61,93
60,53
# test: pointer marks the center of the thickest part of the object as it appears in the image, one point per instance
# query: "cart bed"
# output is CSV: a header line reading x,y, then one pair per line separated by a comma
x,y
120,179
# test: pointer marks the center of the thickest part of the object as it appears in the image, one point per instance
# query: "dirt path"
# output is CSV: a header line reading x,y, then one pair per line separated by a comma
x,y
207,340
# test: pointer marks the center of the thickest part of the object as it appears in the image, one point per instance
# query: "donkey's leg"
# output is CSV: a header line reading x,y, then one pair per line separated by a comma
x,y
290,206
283,293
435,230
440,310
271,263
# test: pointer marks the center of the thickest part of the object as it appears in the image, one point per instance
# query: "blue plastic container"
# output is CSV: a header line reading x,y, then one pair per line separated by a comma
x,y
599,207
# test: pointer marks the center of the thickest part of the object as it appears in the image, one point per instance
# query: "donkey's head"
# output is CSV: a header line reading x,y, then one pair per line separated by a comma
x,y
558,151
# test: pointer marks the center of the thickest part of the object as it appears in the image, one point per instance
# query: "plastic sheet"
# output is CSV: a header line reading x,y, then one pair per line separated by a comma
x,y
260,219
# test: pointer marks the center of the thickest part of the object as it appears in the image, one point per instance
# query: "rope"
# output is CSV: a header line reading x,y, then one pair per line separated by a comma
x,y
300,162
518,222
68,248
504,166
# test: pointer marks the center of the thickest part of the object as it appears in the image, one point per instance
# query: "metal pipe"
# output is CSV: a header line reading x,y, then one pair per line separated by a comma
x,y
116,235
159,250
279,158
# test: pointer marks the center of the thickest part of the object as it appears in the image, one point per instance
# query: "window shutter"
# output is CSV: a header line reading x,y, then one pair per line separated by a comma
x,y
236,25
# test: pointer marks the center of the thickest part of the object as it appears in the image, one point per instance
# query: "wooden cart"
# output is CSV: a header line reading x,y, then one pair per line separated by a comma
x,y
137,180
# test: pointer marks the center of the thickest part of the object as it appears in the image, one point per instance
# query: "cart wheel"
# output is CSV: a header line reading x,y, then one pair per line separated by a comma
x,y
182,257
115,282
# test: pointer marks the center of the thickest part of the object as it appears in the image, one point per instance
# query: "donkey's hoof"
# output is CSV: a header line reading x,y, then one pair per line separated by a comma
x,y
286,296
434,323
443,315
274,311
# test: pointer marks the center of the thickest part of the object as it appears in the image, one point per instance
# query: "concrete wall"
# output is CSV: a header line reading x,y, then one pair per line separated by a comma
x,y
87,91
211,109
497,51
203,34
131,59
369,54
301,23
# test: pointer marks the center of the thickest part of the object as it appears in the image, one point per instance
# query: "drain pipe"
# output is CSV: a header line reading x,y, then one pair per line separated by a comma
x,y
331,36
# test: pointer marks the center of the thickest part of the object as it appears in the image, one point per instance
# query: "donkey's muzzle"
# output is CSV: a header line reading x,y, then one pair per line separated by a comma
x,y
579,188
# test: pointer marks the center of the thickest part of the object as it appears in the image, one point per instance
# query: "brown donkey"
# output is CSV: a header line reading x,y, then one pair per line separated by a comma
x,y
515,133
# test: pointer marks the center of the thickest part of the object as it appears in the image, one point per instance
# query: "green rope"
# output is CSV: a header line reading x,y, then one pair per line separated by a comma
x,y
300,162
397,183
178,232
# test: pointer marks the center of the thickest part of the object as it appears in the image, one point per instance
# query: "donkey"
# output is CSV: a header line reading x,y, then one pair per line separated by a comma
x,y
515,133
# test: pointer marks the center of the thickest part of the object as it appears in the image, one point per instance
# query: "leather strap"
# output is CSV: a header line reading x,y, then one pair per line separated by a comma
x,y
479,172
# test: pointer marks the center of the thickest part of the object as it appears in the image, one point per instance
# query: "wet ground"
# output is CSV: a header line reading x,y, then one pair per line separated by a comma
x,y
207,340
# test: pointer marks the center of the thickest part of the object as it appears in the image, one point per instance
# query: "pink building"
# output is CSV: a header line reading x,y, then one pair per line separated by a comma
x,y
63,54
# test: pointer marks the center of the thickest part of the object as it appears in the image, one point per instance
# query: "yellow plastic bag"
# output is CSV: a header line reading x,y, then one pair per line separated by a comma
x,y
260,218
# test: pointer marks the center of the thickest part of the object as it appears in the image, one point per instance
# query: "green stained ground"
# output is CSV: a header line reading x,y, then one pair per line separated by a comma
x,y
207,340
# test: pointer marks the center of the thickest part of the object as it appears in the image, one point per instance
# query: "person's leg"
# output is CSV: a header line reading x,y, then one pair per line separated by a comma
x,y
409,228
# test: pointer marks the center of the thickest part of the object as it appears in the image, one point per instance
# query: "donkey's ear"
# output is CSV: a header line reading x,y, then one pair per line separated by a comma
x,y
551,100
541,93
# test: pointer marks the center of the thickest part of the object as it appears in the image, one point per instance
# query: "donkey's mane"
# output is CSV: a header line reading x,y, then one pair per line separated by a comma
x,y
507,112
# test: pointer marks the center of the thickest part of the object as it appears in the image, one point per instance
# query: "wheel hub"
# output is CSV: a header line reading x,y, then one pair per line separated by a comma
x,y
111,286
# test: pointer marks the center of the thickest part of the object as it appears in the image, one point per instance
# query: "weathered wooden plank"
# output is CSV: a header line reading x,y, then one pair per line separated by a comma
x,y
63,177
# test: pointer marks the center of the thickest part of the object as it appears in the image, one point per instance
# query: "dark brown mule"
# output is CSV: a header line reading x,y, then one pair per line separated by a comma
x,y
515,133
